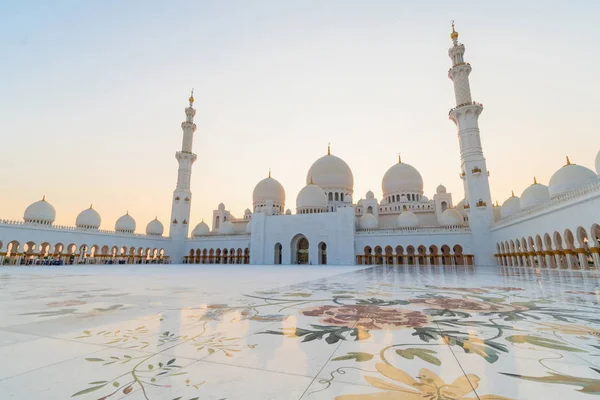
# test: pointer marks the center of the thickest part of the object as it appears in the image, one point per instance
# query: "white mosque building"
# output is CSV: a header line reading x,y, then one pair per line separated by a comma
x,y
553,226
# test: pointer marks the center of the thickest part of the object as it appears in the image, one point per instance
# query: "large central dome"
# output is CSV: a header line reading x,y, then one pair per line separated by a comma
x,y
331,172
402,178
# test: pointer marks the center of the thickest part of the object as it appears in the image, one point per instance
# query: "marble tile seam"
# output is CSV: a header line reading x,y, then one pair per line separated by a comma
x,y
326,362
49,365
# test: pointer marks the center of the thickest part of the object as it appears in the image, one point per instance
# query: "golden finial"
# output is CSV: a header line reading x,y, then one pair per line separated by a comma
x,y
127,213
192,97
534,181
156,218
568,161
269,172
90,206
513,193
311,181
497,203
44,198
399,158
454,34
329,148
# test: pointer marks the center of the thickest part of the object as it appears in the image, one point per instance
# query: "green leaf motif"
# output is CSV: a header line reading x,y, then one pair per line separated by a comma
x,y
171,361
542,342
94,359
359,357
423,354
88,390
116,384
588,385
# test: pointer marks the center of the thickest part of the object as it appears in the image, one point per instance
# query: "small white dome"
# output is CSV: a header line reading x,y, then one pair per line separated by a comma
x,y
201,229
451,217
221,207
155,228
424,199
511,206
370,195
570,177
226,228
408,219
367,221
249,227
88,219
460,207
441,189
598,163
331,172
268,189
311,196
402,177
535,195
125,224
40,212
288,212
247,212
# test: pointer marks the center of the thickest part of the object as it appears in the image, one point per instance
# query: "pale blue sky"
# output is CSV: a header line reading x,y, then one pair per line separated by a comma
x,y
93,94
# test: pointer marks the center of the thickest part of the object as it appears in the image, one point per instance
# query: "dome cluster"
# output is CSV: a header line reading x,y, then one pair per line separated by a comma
x,y
568,178
43,213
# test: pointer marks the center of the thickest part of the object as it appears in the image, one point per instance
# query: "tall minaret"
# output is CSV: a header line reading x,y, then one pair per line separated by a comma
x,y
473,167
182,196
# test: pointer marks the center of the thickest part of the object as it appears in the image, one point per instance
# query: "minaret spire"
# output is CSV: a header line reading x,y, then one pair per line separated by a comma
x,y
474,170
182,195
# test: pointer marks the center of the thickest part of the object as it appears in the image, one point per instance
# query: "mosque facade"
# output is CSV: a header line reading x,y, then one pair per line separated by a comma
x,y
548,226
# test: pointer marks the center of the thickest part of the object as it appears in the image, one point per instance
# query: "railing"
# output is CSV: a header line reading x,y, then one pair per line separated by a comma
x,y
73,228
563,198
219,235
472,103
433,229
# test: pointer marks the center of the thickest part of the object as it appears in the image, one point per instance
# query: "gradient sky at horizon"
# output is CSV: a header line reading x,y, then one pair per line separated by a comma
x,y
93,95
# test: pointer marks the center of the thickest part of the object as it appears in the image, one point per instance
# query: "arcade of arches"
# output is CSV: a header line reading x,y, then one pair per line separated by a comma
x,y
30,253
414,256
218,256
578,250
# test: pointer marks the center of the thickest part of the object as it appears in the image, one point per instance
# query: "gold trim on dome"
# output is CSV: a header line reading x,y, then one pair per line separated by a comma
x,y
191,99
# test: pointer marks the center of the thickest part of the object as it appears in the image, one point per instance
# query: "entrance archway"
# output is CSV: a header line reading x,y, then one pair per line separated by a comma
x,y
277,259
299,247
322,253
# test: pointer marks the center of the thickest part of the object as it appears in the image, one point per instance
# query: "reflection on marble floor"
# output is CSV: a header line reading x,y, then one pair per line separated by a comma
x,y
221,332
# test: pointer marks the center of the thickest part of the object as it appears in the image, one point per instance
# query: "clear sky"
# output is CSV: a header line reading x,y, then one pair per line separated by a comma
x,y
93,93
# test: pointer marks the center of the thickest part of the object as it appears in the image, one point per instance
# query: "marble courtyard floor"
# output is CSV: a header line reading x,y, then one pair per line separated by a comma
x,y
320,332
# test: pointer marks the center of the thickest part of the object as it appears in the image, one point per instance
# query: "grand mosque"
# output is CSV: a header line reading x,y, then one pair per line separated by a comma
x,y
548,226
